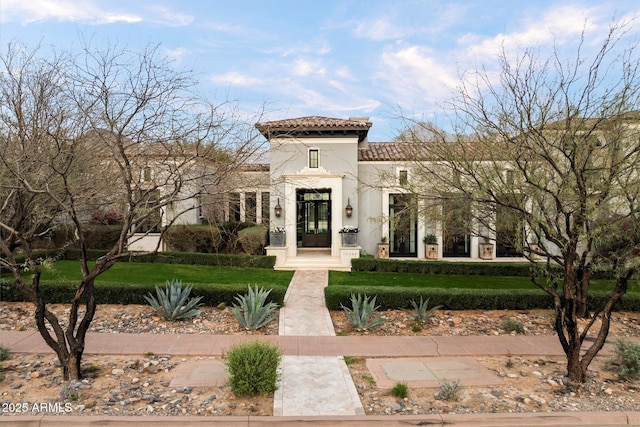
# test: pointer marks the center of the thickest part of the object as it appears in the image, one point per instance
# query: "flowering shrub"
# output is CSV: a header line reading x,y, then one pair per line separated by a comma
x,y
349,229
278,230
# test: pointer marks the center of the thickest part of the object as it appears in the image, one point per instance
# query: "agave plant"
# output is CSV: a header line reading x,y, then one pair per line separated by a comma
x,y
421,311
174,303
253,311
361,315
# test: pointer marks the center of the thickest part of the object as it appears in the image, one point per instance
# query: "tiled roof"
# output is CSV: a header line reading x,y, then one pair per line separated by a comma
x,y
386,151
315,123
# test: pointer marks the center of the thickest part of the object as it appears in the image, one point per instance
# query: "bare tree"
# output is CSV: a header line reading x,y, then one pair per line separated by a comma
x,y
106,129
546,158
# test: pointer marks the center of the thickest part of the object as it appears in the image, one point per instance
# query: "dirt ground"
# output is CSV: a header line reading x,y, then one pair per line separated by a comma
x,y
142,384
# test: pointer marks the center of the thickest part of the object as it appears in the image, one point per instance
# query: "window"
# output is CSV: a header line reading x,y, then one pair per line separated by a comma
x,y
234,207
146,174
403,177
149,214
250,207
265,207
510,176
313,158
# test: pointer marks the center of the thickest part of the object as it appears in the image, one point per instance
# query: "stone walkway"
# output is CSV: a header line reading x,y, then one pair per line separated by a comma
x,y
312,385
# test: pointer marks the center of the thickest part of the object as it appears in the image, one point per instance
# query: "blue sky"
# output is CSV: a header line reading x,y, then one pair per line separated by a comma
x,y
330,58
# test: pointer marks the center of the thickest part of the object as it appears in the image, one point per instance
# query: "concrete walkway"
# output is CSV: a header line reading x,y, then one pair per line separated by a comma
x,y
312,385
304,312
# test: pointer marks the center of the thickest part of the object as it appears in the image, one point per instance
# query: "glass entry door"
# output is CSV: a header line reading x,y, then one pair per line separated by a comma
x,y
314,218
403,225
457,234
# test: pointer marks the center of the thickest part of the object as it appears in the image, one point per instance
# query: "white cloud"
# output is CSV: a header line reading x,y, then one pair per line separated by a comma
x,y
27,12
170,17
304,68
380,29
316,47
235,79
87,11
416,73
558,25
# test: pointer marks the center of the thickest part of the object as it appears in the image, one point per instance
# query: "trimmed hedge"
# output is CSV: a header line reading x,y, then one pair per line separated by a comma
x,y
389,298
188,258
98,236
519,269
193,238
123,293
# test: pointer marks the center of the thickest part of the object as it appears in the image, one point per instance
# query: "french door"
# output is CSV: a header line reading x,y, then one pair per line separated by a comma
x,y
314,218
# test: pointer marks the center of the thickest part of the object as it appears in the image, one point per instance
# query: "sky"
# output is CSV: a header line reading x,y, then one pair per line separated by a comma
x,y
383,59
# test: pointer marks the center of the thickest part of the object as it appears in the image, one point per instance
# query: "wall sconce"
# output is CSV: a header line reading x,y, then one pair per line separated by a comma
x,y
278,209
349,208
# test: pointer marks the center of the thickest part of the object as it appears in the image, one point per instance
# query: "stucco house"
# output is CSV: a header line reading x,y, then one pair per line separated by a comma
x,y
326,177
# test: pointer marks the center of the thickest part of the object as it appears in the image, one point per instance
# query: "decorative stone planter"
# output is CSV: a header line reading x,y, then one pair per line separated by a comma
x,y
350,240
383,250
277,239
486,250
431,250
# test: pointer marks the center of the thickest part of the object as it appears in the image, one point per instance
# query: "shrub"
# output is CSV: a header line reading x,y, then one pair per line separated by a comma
x,y
253,368
107,216
627,359
193,238
511,325
254,312
421,311
4,353
252,240
362,312
174,303
449,390
400,390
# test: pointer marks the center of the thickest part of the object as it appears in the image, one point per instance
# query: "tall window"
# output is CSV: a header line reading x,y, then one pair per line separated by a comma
x,y
250,207
403,225
234,207
150,212
313,158
265,206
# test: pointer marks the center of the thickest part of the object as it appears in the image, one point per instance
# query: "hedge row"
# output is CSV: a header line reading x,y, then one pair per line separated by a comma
x,y
389,298
520,269
220,260
97,236
124,293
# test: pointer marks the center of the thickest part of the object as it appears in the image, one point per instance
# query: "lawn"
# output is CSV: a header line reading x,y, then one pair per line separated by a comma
x,y
412,280
148,273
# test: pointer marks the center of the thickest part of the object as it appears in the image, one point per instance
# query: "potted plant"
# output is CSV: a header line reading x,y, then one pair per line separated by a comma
x,y
486,249
383,248
430,246
349,235
277,236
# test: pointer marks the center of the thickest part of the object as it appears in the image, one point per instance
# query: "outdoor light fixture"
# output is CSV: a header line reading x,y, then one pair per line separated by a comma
x,y
349,208
278,209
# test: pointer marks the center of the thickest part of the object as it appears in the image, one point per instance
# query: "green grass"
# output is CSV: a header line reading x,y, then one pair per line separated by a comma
x,y
417,280
143,273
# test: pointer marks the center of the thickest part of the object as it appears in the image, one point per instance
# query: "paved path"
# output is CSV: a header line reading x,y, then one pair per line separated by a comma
x,y
304,311
353,346
312,385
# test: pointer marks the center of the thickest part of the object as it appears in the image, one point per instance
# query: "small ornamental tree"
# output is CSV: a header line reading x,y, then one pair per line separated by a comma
x,y
106,130
545,157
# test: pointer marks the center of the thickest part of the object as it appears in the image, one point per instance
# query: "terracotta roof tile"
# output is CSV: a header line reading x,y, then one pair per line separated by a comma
x,y
389,151
314,123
